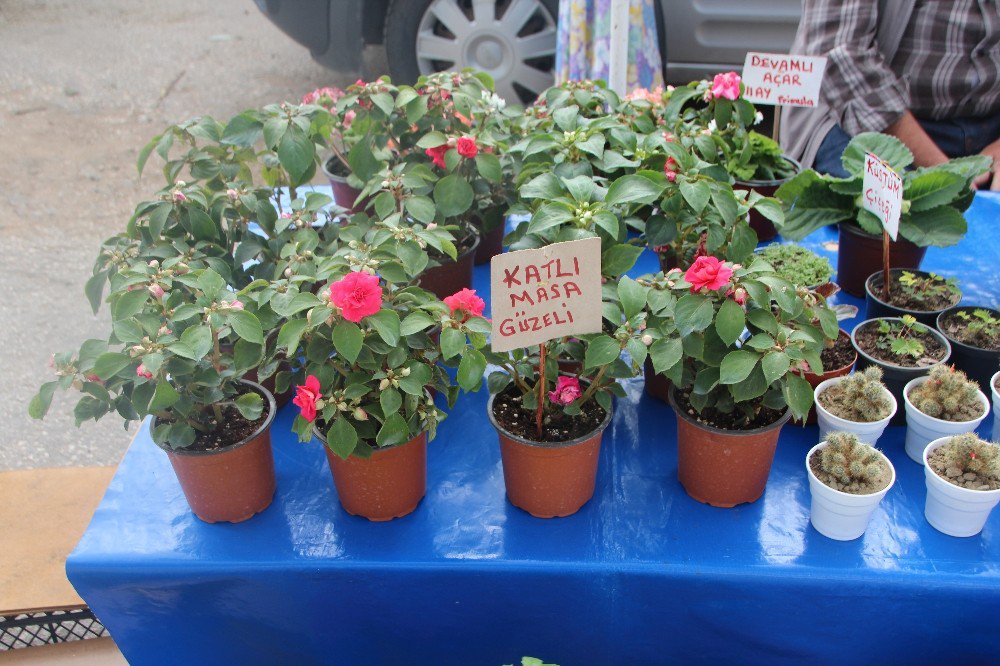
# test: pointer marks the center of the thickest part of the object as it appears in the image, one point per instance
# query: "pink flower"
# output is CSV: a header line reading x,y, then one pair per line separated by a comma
x,y
141,371
708,273
325,97
236,305
465,301
232,194
156,290
437,154
357,295
179,197
306,397
670,169
349,118
739,295
726,85
91,377
466,147
668,137
567,390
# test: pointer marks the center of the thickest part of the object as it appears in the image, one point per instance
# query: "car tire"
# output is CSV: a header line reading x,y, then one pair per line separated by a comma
x,y
516,44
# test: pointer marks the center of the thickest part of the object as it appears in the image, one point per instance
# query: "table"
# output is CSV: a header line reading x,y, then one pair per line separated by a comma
x,y
641,575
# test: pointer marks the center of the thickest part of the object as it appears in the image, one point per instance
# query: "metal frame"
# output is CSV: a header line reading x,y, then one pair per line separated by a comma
x,y
46,627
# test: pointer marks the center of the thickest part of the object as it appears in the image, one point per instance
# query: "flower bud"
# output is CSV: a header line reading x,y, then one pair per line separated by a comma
x,y
360,414
232,194
288,272
236,305
153,263
405,372
179,197
383,385
647,339
156,290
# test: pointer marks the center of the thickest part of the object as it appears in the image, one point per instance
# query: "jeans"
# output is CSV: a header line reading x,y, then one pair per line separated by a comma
x,y
956,137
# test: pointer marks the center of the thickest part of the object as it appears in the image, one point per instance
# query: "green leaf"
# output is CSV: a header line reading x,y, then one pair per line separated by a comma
x,y
195,343
202,225
421,208
549,215
471,369
546,186
799,395
341,437
887,148
39,404
393,431
763,320
363,163
129,304
211,283
497,382
696,194
632,295
942,226
750,388
290,334
246,325
929,189
775,364
163,397
94,290
296,153
432,140
452,342
415,322
109,364
419,377
489,167
736,366
386,323
390,400
453,195
634,189
665,353
619,259
730,321
693,313
602,350
244,130
348,340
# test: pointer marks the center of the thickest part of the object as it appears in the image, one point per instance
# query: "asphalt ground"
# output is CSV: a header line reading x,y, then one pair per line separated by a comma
x,y
83,85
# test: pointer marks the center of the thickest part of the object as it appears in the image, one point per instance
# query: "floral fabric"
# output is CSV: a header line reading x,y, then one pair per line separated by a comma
x,y
584,41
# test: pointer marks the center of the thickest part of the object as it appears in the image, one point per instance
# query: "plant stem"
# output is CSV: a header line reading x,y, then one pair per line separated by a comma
x,y
885,266
540,409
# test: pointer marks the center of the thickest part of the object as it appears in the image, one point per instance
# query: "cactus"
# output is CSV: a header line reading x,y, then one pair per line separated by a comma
x,y
849,461
969,462
859,397
948,394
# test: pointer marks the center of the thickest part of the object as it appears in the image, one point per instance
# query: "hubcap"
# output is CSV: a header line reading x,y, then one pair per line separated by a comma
x,y
514,41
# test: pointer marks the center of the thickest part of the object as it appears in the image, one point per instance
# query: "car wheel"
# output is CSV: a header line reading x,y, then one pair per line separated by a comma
x,y
514,41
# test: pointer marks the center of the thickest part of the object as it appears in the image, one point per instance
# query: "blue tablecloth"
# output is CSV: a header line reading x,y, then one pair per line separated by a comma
x,y
641,575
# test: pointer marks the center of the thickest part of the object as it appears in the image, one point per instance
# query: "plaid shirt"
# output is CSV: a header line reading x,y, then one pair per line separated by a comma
x,y
947,64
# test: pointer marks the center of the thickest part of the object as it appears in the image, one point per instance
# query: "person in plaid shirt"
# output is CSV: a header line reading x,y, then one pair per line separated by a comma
x,y
925,71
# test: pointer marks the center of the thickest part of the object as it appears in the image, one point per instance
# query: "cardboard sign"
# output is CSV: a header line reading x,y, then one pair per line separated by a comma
x,y
551,292
882,193
782,80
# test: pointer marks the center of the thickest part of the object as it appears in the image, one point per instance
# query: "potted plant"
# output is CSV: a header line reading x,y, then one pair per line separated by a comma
x,y
372,363
963,483
943,403
974,335
858,404
933,201
903,348
732,392
713,120
847,480
919,294
549,421
798,265
838,358
164,360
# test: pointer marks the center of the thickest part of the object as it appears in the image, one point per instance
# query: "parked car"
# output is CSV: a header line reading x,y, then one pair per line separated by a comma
x,y
515,40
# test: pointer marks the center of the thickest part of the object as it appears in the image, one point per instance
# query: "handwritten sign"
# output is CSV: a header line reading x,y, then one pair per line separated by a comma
x,y
782,80
883,193
538,295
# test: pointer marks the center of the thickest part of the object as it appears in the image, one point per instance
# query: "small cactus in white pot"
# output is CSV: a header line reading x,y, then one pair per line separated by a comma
x,y
857,403
847,480
996,406
963,483
943,403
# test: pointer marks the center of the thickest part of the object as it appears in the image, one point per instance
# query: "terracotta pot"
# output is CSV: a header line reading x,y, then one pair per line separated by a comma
x,y
766,188
860,255
446,279
977,363
876,307
895,377
657,386
490,245
724,467
343,194
387,485
234,483
549,479
815,380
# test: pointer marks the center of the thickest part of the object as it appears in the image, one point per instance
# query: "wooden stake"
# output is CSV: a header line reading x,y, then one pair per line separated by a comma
x,y
541,390
885,266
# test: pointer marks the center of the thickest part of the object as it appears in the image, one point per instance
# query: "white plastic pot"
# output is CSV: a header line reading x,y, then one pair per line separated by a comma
x,y
866,432
839,515
996,408
922,429
955,511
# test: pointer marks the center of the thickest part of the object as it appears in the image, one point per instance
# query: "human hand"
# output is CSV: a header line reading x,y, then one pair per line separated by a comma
x,y
992,176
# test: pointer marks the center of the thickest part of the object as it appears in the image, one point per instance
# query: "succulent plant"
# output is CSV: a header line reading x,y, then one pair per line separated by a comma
x,y
948,394
858,397
968,453
850,461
